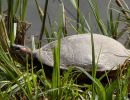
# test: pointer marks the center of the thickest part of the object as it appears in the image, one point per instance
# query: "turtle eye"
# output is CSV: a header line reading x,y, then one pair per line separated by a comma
x,y
17,48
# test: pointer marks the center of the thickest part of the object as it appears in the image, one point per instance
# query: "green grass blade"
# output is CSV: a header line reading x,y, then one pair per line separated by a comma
x,y
93,67
41,14
10,20
101,93
16,6
43,23
0,7
110,90
56,74
24,9
101,25
4,40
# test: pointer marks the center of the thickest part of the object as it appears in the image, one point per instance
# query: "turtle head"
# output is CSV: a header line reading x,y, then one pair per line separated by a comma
x,y
20,53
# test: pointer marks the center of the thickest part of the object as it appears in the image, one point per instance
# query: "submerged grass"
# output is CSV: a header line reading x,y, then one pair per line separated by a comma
x,y
28,84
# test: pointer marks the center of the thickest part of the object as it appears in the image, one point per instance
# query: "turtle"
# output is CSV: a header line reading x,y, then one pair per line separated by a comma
x,y
76,51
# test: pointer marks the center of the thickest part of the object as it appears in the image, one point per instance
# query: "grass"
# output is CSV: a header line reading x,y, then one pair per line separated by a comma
x,y
22,82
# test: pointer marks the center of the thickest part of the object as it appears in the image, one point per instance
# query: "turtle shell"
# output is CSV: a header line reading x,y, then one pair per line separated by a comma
x,y
76,50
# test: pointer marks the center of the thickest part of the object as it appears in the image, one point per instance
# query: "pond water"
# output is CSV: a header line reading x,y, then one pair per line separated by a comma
x,y
53,12
53,8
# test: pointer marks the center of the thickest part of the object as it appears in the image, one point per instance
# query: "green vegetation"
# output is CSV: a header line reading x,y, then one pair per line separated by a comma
x,y
19,82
